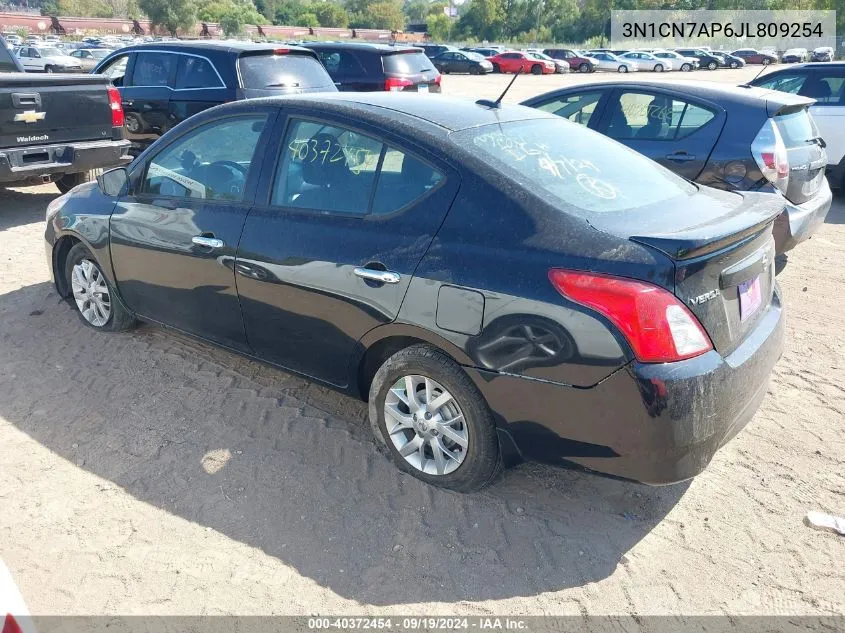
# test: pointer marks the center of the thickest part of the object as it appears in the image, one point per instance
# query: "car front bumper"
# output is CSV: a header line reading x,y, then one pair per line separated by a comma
x,y
654,423
798,222
60,159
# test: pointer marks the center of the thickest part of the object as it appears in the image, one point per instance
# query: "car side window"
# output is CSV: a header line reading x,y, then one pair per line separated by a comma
x,y
116,70
348,65
578,108
209,163
195,72
651,117
326,168
153,69
402,180
827,88
784,83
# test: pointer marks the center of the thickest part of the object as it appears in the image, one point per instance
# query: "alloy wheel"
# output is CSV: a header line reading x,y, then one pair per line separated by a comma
x,y
426,425
91,293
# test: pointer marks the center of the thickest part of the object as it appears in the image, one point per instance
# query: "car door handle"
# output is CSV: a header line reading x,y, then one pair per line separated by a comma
x,y
379,276
680,157
210,242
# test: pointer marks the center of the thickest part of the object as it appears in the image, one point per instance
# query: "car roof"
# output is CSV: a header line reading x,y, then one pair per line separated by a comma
x,y
408,112
750,96
210,45
383,49
793,67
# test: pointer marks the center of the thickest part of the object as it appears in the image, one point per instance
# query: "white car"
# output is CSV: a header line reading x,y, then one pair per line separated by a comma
x,y
680,62
47,59
14,616
12,39
795,55
612,63
647,61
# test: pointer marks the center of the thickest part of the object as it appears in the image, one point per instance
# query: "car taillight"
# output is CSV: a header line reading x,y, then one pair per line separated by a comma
x,y
770,154
10,625
658,327
116,105
438,78
396,84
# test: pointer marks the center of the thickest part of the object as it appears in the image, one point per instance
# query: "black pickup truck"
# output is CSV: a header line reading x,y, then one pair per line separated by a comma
x,y
57,128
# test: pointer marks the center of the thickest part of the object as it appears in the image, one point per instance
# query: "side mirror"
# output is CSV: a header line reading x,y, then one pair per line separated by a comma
x,y
113,182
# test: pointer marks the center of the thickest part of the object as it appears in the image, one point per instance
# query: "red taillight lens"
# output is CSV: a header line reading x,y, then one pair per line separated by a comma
x,y
769,152
10,625
116,105
396,84
438,78
657,326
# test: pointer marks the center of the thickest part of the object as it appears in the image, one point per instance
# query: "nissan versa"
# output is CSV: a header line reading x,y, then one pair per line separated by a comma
x,y
497,282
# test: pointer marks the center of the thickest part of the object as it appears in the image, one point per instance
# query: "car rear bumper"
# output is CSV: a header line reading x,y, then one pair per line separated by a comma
x,y
654,423
798,222
37,164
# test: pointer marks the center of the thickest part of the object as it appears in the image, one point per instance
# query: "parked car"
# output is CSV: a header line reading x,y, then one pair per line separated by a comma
x,y
47,59
731,138
520,62
795,56
576,60
686,64
88,58
62,128
601,327
612,63
822,54
462,62
433,50
705,59
726,60
163,83
647,61
752,56
377,67
825,84
561,66
484,52
13,40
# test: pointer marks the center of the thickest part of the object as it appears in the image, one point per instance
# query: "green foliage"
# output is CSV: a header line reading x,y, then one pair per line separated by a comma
x,y
171,14
384,14
439,26
307,19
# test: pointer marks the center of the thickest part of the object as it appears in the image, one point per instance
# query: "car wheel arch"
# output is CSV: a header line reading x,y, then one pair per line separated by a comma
x,y
60,252
382,342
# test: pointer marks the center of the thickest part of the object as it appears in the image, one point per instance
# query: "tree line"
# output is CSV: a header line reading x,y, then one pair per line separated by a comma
x,y
574,21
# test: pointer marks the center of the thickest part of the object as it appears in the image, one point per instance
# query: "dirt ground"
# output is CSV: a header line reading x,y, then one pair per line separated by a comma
x,y
149,473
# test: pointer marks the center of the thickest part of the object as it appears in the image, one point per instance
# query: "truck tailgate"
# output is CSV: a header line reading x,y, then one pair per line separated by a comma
x,y
50,109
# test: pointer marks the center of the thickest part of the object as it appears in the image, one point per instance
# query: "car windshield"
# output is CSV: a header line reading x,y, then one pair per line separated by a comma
x,y
282,71
50,52
475,57
573,166
408,63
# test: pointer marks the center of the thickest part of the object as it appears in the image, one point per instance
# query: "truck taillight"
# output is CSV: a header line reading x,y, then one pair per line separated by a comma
x,y
116,106
658,327
10,625
769,152
397,84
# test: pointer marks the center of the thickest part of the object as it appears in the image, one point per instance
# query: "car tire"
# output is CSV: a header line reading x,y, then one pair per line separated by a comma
x,y
584,68
686,68
104,311
133,124
536,70
622,69
69,181
658,68
734,65
49,69
712,66
496,68
427,370
766,61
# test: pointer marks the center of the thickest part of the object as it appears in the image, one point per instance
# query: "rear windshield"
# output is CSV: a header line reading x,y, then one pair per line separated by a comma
x,y
282,71
407,63
797,128
567,163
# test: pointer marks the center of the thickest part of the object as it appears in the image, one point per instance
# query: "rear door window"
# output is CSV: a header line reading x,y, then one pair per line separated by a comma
x,y
407,63
282,71
827,87
196,72
402,180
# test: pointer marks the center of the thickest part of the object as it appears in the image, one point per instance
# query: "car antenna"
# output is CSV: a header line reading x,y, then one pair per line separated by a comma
x,y
498,102
747,84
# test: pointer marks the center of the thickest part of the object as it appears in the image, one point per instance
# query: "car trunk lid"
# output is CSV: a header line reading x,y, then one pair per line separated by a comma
x,y
410,70
805,151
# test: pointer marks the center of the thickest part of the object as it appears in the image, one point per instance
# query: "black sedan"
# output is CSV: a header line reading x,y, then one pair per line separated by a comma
x,y
704,132
497,282
462,62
